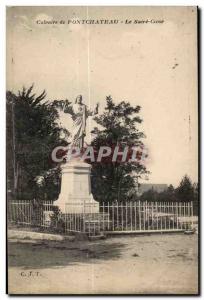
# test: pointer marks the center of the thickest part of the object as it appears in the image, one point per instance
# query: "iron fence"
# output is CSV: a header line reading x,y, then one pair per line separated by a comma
x,y
128,217
148,216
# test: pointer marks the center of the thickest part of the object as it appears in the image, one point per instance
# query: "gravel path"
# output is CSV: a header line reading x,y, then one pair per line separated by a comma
x,y
156,264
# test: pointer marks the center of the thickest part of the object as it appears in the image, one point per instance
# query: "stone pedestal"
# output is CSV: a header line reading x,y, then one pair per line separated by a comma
x,y
75,195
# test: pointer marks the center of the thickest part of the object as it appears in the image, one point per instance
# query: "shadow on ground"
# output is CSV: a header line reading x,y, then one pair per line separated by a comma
x,y
55,254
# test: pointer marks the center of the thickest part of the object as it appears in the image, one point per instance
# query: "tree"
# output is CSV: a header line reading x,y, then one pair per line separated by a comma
x,y
168,195
151,196
185,190
32,134
196,199
118,126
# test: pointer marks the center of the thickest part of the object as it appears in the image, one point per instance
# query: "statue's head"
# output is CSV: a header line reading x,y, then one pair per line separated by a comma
x,y
78,99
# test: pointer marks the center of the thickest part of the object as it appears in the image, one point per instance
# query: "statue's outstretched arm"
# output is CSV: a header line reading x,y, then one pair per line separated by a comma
x,y
64,105
93,112
67,108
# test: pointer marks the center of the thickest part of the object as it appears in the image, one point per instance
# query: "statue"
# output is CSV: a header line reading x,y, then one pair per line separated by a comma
x,y
75,193
80,114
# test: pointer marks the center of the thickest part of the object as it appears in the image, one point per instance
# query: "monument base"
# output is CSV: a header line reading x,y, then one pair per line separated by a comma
x,y
75,195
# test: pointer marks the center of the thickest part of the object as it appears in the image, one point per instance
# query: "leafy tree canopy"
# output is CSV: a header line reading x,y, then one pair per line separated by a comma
x,y
118,126
32,133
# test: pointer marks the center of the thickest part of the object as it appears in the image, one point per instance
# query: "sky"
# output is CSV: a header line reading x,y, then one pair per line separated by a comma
x,y
153,65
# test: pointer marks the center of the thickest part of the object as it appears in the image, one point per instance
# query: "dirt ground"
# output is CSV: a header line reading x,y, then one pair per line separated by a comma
x,y
150,264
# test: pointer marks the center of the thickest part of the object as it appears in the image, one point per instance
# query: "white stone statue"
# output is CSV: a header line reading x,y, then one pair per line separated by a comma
x,y
75,193
79,113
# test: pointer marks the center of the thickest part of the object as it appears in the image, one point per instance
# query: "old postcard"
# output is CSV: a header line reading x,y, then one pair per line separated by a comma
x,y
102,150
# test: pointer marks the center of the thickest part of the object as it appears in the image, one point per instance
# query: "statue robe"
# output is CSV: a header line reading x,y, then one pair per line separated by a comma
x,y
79,113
